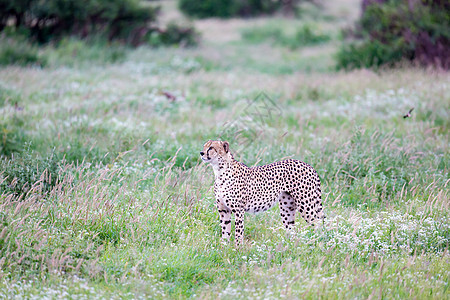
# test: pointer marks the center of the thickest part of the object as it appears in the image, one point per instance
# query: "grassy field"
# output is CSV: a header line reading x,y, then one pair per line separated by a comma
x,y
111,199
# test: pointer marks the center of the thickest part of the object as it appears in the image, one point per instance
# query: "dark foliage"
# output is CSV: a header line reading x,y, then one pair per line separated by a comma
x,y
400,30
228,8
174,34
125,20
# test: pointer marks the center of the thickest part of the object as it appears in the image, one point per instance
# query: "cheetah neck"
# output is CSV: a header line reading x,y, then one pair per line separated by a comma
x,y
224,166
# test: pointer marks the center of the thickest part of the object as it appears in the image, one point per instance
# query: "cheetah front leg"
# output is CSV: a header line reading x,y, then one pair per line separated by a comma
x,y
225,221
239,227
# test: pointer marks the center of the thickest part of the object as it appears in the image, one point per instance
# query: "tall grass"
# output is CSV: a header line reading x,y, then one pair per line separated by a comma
x,y
142,221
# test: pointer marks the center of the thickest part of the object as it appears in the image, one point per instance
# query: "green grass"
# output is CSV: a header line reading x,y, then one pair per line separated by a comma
x,y
304,36
129,211
20,53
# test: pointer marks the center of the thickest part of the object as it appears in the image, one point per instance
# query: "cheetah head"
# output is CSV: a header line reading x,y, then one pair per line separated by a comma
x,y
215,152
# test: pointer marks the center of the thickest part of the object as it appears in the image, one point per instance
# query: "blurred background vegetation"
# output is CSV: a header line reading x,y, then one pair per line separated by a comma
x,y
83,29
388,31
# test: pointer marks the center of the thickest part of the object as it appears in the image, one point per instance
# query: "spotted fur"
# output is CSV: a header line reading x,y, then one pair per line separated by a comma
x,y
238,189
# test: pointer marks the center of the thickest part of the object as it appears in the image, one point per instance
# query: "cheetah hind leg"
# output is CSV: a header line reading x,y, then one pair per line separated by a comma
x,y
318,208
310,208
287,210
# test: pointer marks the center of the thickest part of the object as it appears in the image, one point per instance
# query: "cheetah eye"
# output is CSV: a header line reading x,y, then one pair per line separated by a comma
x,y
207,152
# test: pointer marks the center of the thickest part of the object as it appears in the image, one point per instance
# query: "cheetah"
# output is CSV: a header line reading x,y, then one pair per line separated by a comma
x,y
239,189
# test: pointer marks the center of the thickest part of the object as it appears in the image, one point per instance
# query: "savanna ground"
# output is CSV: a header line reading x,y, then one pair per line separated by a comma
x,y
132,212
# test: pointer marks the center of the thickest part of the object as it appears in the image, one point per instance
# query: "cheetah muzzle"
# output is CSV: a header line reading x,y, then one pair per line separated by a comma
x,y
239,189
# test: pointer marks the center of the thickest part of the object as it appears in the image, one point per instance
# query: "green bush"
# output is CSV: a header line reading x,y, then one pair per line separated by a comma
x,y
174,34
248,8
396,30
228,8
367,55
66,23
208,8
124,20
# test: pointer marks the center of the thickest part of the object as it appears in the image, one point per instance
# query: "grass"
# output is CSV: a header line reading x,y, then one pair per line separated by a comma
x,y
19,52
128,211
304,36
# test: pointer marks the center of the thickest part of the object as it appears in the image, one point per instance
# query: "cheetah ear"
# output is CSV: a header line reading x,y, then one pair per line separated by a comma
x,y
226,147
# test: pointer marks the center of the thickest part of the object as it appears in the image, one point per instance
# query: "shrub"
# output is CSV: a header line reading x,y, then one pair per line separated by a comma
x,y
208,8
227,8
257,7
397,30
174,34
125,20
367,55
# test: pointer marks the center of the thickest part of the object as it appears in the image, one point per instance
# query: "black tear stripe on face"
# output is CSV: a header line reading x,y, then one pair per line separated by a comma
x,y
207,153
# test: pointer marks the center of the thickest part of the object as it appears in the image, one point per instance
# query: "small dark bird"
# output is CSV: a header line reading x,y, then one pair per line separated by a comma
x,y
169,96
408,115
